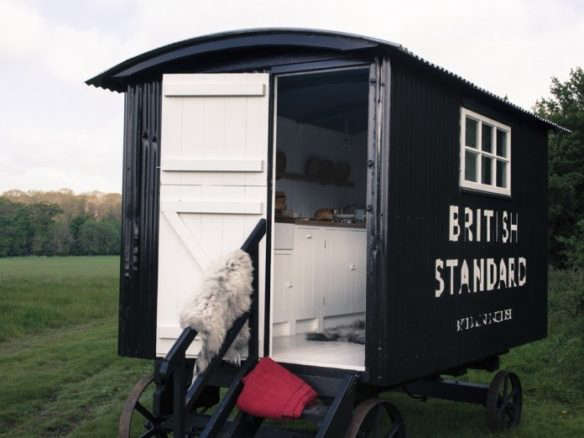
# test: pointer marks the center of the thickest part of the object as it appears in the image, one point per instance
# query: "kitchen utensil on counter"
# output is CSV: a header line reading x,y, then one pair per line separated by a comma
x,y
344,216
324,214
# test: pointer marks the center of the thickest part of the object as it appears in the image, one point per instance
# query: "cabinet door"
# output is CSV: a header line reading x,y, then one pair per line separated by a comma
x,y
283,287
334,273
357,263
342,271
307,241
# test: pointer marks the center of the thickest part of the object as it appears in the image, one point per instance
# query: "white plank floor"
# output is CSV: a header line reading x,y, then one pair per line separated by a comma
x,y
296,349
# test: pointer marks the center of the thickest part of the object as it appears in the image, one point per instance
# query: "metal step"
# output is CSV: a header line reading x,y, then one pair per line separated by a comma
x,y
330,415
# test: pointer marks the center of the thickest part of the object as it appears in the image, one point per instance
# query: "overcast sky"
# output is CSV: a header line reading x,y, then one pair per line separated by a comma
x,y
56,132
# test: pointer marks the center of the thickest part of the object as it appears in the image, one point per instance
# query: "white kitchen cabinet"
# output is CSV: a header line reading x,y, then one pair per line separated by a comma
x,y
323,276
344,260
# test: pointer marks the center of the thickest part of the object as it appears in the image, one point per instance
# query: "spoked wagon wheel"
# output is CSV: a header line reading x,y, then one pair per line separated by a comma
x,y
137,420
504,401
375,418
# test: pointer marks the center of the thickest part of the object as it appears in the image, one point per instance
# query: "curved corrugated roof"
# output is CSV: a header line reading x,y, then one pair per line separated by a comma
x,y
117,77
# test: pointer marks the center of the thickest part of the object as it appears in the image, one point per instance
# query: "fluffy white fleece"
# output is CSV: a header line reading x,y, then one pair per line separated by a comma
x,y
225,295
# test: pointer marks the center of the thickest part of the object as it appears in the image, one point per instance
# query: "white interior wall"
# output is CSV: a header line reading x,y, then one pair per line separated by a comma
x,y
300,141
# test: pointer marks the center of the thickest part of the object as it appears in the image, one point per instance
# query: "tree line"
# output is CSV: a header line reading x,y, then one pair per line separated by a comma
x,y
59,223
565,106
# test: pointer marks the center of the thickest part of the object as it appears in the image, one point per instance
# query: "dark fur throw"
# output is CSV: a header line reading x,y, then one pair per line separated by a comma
x,y
344,333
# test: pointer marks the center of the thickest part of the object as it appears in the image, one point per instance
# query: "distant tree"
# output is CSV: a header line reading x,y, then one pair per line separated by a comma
x,y
21,230
574,247
113,229
59,240
74,230
13,228
89,238
566,165
59,223
99,237
41,219
94,204
24,229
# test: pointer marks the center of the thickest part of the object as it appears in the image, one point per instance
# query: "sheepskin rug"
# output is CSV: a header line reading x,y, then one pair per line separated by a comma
x,y
224,296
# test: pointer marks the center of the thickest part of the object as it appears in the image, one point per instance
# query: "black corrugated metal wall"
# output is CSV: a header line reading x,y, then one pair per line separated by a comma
x,y
140,206
424,182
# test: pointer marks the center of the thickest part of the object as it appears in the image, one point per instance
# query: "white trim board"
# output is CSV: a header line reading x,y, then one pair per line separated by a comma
x,y
197,89
478,185
211,207
189,165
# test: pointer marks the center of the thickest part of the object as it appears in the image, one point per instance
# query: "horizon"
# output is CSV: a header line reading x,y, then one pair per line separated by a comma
x,y
62,190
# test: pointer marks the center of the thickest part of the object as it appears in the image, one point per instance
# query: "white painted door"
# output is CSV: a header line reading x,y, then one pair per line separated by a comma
x,y
213,181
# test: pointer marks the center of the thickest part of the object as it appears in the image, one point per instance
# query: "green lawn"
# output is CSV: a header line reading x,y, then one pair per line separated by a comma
x,y
38,293
59,371
60,375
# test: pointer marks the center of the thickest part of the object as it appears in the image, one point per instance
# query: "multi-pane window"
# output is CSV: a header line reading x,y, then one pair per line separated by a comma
x,y
485,154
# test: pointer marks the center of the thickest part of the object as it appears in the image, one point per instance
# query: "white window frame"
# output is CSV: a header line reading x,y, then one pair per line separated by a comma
x,y
479,185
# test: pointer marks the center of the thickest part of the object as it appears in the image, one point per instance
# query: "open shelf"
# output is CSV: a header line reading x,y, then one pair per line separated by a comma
x,y
312,179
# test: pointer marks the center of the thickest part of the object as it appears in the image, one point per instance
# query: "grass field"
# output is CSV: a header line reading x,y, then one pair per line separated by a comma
x,y
60,375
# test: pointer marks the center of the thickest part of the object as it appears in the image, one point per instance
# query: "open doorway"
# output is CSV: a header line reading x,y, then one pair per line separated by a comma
x,y
318,289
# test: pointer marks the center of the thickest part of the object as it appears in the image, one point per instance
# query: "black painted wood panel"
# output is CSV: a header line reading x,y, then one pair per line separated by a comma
x,y
427,334
140,207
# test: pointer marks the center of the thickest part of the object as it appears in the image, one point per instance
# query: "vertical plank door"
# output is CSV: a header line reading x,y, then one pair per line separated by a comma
x,y
213,180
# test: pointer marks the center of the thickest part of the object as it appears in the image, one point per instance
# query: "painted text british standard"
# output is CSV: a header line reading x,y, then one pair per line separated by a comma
x,y
472,226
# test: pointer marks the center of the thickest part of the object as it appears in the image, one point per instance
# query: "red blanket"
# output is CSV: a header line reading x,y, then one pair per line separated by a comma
x,y
271,391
